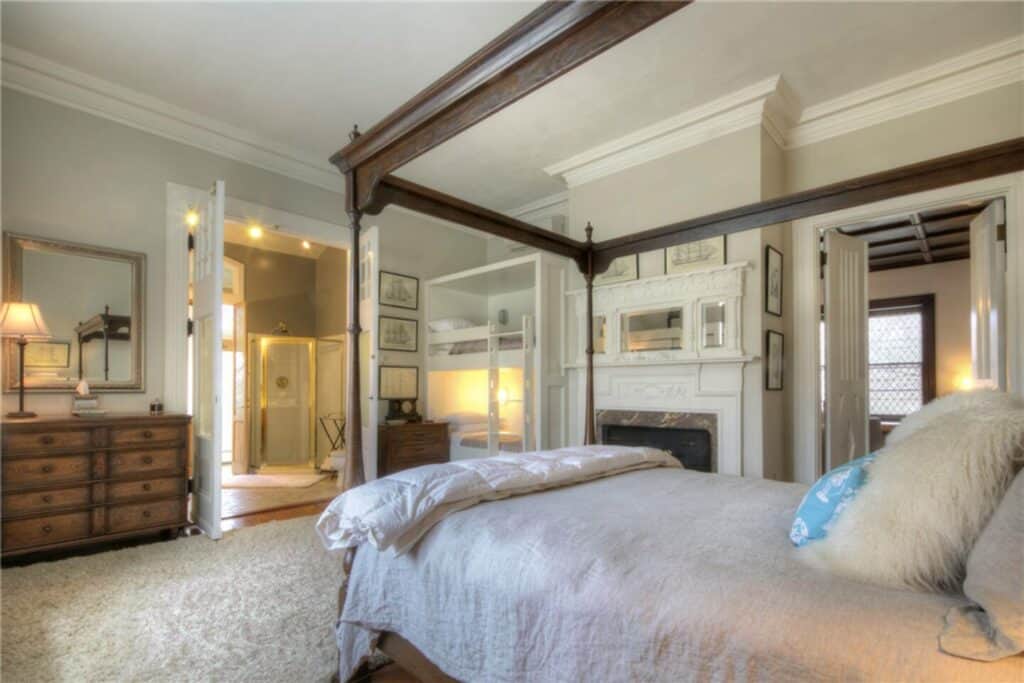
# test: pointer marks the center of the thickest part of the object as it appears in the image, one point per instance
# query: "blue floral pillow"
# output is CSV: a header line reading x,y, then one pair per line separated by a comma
x,y
822,505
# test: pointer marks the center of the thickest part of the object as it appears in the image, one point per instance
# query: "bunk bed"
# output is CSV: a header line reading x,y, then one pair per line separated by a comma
x,y
547,43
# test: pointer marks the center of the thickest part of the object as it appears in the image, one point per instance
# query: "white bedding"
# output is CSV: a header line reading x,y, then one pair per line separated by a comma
x,y
657,575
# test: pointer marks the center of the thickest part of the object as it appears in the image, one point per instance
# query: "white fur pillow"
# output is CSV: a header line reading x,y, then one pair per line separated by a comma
x,y
951,403
928,497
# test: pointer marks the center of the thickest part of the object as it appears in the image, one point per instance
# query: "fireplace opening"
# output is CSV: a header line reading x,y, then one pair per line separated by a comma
x,y
692,447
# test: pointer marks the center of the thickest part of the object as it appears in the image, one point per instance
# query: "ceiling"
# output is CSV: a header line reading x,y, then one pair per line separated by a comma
x,y
237,232
300,74
915,239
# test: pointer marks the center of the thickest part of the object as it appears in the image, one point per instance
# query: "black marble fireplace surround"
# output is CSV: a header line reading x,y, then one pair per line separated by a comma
x,y
691,437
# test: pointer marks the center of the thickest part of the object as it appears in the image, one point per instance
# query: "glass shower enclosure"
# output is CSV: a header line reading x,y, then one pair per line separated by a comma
x,y
283,386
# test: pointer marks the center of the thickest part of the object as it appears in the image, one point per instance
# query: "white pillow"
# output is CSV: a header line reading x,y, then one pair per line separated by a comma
x,y
927,498
952,403
449,324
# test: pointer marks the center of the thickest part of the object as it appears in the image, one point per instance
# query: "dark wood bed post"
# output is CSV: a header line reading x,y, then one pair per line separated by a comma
x,y
354,474
589,438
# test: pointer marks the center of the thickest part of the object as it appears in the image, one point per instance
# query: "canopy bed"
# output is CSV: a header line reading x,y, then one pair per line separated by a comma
x,y
550,41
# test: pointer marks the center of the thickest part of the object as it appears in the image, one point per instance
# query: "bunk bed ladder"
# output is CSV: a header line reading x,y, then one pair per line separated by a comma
x,y
529,438
493,388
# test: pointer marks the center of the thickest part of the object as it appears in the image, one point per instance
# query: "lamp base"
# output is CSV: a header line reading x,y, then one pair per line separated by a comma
x,y
20,414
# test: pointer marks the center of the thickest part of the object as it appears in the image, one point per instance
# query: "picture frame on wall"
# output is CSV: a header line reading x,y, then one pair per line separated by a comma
x,y
398,382
398,334
622,269
684,258
775,361
399,291
773,281
51,355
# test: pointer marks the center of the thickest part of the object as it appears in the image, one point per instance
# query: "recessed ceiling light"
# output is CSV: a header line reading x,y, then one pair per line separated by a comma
x,y
306,244
255,232
192,218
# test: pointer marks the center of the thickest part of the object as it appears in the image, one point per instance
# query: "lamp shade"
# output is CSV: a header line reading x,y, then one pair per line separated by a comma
x,y
19,319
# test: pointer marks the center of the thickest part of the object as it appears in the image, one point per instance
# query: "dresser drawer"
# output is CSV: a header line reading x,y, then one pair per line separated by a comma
x,y
131,463
33,442
25,533
45,501
144,515
429,434
121,491
128,436
418,452
46,470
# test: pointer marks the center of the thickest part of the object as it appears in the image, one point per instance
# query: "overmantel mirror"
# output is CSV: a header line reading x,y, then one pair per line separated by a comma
x,y
92,299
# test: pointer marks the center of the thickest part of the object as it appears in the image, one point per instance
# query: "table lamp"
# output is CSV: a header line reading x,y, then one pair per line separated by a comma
x,y
23,322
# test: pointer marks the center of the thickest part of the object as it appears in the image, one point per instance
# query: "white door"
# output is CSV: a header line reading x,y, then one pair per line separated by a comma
x,y
369,310
988,297
846,349
208,275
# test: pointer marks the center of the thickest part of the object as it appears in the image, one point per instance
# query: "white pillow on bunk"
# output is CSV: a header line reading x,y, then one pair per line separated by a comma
x,y
449,324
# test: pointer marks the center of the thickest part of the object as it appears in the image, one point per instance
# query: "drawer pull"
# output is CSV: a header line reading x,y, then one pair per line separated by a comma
x,y
46,439
47,498
148,434
147,514
147,460
47,529
146,487
46,469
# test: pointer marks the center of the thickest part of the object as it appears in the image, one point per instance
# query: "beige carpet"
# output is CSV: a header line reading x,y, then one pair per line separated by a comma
x,y
257,605
268,481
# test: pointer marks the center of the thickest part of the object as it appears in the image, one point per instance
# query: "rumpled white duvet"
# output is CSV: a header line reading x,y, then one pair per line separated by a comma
x,y
656,575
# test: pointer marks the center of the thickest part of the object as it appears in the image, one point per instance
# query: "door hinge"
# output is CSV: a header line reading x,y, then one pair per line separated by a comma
x,y
189,327
191,242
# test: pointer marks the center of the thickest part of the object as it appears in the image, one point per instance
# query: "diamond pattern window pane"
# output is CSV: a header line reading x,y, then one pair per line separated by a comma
x,y
895,355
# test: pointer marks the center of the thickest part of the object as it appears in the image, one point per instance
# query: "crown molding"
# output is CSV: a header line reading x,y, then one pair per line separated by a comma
x,y
39,77
772,105
770,99
543,209
952,79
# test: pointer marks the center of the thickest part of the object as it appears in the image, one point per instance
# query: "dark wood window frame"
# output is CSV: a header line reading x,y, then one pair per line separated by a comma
x,y
925,303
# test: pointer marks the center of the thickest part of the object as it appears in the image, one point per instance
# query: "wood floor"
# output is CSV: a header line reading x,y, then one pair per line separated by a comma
x,y
239,502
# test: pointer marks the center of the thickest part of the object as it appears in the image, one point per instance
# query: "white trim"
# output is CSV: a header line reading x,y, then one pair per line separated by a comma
x,y
180,198
736,111
542,210
771,104
34,75
968,74
805,353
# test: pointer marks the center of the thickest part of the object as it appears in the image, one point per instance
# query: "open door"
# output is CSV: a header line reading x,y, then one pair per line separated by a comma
x,y
369,361
846,348
988,297
207,285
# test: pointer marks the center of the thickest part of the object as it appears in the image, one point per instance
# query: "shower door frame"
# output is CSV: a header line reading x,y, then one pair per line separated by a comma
x,y
257,450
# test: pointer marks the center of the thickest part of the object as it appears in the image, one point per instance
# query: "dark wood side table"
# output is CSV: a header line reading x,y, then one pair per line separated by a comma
x,y
402,446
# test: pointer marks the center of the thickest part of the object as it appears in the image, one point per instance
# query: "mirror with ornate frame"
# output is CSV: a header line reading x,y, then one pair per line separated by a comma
x,y
93,301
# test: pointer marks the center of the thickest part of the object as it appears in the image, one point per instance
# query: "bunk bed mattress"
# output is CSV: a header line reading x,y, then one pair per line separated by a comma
x,y
657,575
480,345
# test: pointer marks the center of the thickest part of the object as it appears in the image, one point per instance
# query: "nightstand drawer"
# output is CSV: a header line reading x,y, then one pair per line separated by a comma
x,y
126,436
129,517
46,470
25,533
121,491
33,442
130,463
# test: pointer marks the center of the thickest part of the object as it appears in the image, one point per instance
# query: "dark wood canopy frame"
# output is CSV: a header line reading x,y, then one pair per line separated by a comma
x,y
550,41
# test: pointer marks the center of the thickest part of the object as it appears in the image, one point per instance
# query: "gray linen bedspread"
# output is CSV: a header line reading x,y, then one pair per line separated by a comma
x,y
657,575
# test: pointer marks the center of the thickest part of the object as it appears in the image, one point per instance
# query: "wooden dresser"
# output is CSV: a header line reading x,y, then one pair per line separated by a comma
x,y
403,446
70,481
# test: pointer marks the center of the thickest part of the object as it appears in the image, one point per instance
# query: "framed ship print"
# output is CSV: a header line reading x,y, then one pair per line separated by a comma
x,y
399,382
772,281
774,361
399,291
622,269
398,334
683,258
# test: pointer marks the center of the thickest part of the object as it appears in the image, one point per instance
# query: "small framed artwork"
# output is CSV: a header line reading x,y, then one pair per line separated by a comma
x,y
398,334
48,354
683,258
399,291
774,365
622,269
772,281
398,382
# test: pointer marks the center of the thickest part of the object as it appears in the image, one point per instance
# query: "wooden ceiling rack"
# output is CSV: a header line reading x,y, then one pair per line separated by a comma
x,y
547,43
